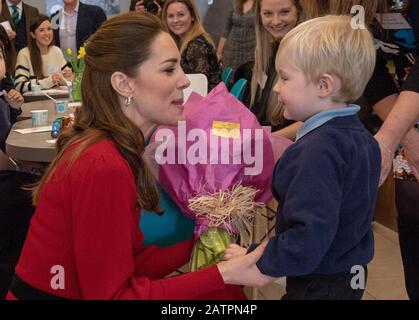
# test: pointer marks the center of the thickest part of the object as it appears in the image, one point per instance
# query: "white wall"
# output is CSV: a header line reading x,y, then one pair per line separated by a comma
x,y
40,4
124,5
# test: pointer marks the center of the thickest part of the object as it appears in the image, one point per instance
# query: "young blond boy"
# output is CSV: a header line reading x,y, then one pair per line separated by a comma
x,y
326,183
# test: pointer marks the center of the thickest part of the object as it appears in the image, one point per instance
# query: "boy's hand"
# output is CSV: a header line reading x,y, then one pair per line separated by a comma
x,y
14,98
234,251
242,270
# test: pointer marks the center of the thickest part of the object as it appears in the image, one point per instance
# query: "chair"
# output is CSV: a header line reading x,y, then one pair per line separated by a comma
x,y
199,84
226,75
238,89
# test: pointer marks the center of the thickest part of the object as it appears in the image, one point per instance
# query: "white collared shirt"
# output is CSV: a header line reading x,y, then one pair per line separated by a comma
x,y
68,25
19,8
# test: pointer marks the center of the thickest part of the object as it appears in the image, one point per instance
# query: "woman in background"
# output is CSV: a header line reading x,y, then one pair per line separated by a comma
x,y
40,61
198,55
274,18
237,44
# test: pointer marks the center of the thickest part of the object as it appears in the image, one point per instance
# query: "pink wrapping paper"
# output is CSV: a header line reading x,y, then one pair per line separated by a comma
x,y
183,180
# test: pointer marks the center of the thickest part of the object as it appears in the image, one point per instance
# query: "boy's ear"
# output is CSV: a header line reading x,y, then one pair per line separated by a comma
x,y
328,85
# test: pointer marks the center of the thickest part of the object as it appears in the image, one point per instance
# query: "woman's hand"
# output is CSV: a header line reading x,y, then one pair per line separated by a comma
x,y
14,98
234,251
386,158
139,6
242,270
67,74
56,78
11,34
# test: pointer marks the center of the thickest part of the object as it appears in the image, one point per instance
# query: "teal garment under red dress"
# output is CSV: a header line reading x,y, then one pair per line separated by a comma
x,y
86,224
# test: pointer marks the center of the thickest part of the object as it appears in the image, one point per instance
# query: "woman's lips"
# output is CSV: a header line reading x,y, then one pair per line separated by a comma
x,y
278,28
178,102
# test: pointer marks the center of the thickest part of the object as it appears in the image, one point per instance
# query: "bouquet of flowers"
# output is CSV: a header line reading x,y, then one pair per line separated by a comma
x,y
77,64
217,167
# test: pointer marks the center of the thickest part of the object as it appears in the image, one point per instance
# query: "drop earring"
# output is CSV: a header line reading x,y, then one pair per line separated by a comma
x,y
128,101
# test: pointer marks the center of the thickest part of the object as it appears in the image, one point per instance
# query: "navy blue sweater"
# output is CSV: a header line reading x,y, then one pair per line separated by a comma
x,y
8,116
326,184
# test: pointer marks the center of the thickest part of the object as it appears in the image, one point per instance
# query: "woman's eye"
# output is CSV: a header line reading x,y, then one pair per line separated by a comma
x,y
170,71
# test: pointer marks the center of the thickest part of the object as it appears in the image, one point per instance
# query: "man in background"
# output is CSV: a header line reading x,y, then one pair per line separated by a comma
x,y
16,18
75,23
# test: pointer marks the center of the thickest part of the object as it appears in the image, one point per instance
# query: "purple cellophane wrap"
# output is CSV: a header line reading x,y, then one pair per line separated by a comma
x,y
185,181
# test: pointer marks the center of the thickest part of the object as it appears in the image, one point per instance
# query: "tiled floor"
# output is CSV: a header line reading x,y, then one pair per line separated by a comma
x,y
385,271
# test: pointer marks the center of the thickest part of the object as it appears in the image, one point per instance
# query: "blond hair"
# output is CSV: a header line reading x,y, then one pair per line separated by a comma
x,y
329,45
263,52
196,29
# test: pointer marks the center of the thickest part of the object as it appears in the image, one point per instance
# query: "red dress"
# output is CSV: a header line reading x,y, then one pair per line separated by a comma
x,y
86,226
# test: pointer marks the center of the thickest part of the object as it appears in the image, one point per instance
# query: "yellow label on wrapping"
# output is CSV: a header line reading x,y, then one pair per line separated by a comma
x,y
226,129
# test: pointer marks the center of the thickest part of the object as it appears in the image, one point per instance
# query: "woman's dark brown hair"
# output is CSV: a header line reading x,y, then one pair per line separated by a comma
x,y
239,4
34,52
121,44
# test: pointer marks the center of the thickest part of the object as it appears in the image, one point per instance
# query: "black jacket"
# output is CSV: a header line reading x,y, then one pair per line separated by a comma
x,y
89,20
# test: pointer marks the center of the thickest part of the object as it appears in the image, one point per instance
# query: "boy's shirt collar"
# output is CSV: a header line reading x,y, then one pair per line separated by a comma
x,y
321,118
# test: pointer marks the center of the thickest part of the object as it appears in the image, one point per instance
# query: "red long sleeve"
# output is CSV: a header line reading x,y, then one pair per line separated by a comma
x,y
147,262
87,223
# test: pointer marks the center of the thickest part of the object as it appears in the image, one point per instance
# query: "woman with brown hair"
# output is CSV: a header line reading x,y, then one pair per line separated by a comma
x,y
181,18
84,241
41,61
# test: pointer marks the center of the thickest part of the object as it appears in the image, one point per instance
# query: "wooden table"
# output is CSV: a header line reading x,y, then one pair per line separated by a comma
x,y
38,105
33,146
42,105
58,93
30,147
